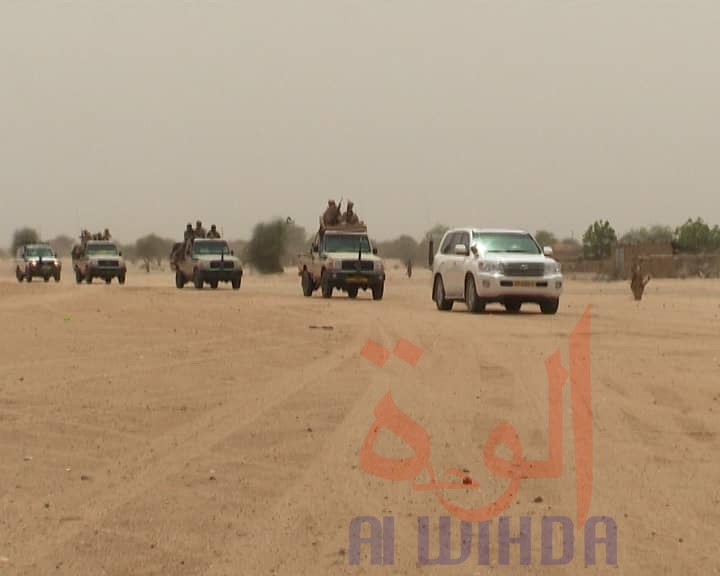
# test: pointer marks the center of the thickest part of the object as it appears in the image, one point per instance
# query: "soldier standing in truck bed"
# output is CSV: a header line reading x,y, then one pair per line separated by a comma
x,y
199,230
213,233
331,216
350,217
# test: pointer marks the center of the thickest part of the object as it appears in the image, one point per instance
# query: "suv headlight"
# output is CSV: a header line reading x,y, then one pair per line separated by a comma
x,y
552,268
492,267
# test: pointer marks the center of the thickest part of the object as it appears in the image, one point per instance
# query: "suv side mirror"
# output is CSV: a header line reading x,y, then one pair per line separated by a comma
x,y
374,250
315,248
119,253
547,250
232,252
461,250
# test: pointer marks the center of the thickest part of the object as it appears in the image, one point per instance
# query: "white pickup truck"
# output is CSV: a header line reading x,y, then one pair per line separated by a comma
x,y
342,258
480,266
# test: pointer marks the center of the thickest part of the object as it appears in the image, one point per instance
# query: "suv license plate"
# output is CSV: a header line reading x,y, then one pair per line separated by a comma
x,y
525,284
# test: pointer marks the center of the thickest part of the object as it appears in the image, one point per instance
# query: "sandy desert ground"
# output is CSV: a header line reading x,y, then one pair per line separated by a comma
x,y
147,430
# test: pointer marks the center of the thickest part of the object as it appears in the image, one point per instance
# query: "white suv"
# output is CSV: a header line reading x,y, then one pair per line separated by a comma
x,y
480,266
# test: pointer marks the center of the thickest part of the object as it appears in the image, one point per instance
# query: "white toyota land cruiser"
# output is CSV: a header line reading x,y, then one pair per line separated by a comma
x,y
481,266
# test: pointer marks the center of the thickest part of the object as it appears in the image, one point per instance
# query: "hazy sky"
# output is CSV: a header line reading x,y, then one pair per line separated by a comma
x,y
142,115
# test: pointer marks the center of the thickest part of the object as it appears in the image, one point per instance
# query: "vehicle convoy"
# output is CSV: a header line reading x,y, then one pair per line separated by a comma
x,y
98,259
483,266
205,260
37,261
342,258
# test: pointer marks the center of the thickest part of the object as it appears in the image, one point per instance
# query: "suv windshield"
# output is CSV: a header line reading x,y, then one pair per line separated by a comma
x,y
39,251
208,248
102,248
513,242
347,243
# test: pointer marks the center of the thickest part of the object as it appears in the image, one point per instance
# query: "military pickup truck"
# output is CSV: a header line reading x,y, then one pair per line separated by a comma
x,y
342,258
37,261
98,259
206,260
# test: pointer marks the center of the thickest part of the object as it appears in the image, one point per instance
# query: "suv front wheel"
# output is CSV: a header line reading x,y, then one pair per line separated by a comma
x,y
473,303
439,295
550,306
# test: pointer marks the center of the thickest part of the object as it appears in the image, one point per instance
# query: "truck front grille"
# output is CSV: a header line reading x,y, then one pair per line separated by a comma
x,y
524,269
107,263
357,265
221,264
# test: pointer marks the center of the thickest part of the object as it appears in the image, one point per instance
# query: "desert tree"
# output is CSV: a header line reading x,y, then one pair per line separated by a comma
x,y
599,240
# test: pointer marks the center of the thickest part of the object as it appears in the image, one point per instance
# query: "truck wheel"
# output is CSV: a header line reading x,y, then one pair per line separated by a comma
x,y
473,303
513,306
439,295
378,291
214,284
18,275
89,279
197,280
179,280
325,286
121,279
108,280
307,284
78,276
352,292
550,306
56,277
28,278
236,282
46,278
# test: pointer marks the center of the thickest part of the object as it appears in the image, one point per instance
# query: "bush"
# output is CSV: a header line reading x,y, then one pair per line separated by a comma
x,y
545,238
24,236
266,248
599,240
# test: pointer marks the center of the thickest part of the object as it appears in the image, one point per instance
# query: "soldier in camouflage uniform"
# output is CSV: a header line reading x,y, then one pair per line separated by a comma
x,y
331,216
213,232
350,217
199,230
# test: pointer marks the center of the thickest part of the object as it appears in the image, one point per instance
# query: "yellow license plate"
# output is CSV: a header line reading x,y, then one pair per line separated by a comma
x,y
525,284
357,279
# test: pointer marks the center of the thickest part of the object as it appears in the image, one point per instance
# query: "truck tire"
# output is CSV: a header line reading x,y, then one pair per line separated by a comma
x,y
108,280
56,276
28,278
307,284
89,278
378,291
46,278
213,284
179,280
473,303
439,295
197,280
19,275
352,292
78,276
325,286
121,279
550,306
236,282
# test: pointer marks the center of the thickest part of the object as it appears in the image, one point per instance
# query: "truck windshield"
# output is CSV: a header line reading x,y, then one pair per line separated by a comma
x,y
347,243
107,248
513,242
39,252
209,248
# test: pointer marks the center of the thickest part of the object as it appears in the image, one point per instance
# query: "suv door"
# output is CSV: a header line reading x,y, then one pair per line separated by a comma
x,y
457,271
446,262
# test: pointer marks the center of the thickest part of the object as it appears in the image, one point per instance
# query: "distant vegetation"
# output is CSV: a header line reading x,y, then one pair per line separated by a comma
x,y
24,236
275,244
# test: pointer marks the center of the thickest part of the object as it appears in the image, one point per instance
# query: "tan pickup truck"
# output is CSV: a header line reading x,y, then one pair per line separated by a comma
x,y
342,258
208,261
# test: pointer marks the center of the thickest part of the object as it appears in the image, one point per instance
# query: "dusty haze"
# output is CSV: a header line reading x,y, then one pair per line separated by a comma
x,y
143,115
